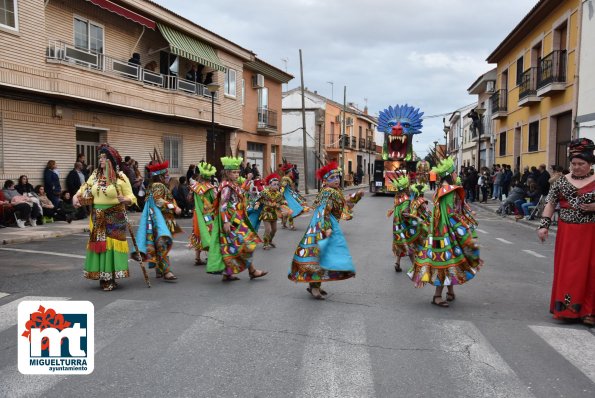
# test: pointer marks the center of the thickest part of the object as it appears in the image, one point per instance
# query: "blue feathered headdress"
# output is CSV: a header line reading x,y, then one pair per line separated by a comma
x,y
409,117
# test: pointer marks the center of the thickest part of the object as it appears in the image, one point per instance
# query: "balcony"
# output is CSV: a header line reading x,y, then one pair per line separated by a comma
x,y
528,87
552,73
362,144
353,143
267,121
125,80
499,102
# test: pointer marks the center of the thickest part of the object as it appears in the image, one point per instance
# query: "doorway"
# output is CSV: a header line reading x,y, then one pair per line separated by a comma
x,y
87,142
563,135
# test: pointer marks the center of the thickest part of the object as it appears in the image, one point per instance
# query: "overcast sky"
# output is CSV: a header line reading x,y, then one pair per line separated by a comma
x,y
422,52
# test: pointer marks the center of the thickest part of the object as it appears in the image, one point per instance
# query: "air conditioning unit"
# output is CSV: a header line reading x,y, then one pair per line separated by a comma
x,y
338,119
258,81
349,121
490,86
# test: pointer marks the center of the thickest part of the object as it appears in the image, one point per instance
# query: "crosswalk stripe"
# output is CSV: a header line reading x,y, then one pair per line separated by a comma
x,y
482,231
472,355
504,241
110,322
572,344
8,311
531,252
41,252
129,238
333,366
2,294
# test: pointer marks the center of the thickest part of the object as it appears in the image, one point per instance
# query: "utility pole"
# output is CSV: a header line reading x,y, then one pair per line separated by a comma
x,y
304,126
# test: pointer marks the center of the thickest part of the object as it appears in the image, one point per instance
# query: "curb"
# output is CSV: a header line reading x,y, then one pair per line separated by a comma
x,y
490,209
46,235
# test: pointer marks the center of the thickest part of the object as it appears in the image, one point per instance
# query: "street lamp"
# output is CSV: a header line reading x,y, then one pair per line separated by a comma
x,y
446,129
212,88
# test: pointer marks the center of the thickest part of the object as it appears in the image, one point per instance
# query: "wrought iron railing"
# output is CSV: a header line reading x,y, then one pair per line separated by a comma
x,y
353,142
499,101
64,52
362,143
552,68
528,86
267,119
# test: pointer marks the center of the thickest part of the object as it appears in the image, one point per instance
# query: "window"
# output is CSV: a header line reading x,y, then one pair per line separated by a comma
x,y
9,14
533,137
88,35
243,92
502,143
263,98
332,135
172,151
230,82
519,71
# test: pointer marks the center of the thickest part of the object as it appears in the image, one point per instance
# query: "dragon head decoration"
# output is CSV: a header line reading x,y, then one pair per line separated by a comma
x,y
399,124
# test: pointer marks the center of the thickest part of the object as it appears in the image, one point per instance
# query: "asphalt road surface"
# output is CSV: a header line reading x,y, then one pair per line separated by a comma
x,y
375,335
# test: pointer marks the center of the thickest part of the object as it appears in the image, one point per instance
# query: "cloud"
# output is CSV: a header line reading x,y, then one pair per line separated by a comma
x,y
425,52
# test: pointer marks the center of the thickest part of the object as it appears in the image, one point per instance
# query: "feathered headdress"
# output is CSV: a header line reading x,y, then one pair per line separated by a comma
x,y
446,167
231,162
258,184
401,182
241,180
206,170
157,166
418,189
286,167
325,172
272,177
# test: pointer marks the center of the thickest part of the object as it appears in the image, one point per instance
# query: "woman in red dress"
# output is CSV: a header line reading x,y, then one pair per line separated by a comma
x,y
573,290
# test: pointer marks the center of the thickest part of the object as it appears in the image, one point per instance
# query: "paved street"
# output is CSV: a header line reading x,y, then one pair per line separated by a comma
x,y
375,335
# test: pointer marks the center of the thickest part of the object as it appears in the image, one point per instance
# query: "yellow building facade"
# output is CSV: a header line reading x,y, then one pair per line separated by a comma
x,y
534,105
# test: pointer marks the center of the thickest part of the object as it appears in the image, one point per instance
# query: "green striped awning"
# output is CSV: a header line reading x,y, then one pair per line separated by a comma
x,y
191,48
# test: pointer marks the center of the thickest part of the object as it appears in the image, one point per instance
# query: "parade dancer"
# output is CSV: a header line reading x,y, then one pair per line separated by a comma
x,y
233,238
322,254
573,287
273,204
252,189
110,192
350,202
157,224
202,220
403,227
297,203
450,255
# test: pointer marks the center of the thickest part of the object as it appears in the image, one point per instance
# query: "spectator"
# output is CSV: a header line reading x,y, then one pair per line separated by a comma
x,y
296,177
525,176
557,172
26,189
543,180
517,194
23,207
482,183
192,170
432,180
359,174
138,186
194,74
75,178
506,179
67,210
181,197
523,207
47,206
255,172
87,169
533,174
51,182
497,184
135,60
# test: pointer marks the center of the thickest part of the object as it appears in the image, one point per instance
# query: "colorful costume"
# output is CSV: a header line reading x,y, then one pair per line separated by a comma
x,y
273,206
107,249
573,287
350,202
252,190
296,202
320,258
231,253
450,254
158,224
404,227
202,220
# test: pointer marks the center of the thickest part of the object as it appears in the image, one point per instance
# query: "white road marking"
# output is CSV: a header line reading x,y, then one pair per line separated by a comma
x,y
41,252
577,346
482,231
128,237
470,354
531,252
504,241
340,366
112,320
2,294
8,311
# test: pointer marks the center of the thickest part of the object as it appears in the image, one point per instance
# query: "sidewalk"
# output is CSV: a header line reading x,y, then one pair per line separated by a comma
x,y
12,235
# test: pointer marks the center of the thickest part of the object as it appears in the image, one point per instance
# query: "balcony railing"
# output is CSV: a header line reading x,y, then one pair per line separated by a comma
x,y
528,86
64,52
552,69
499,102
353,142
267,119
344,141
362,143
